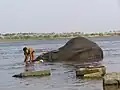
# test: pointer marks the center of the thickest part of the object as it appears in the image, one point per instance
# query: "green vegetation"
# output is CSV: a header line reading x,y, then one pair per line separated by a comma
x,y
40,36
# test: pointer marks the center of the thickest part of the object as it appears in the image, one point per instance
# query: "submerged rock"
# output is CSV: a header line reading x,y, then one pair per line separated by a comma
x,y
77,49
33,74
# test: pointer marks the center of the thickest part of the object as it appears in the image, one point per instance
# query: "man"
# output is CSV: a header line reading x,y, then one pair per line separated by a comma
x,y
28,52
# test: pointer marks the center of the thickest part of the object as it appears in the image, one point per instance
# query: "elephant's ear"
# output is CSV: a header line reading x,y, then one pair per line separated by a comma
x,y
75,50
79,51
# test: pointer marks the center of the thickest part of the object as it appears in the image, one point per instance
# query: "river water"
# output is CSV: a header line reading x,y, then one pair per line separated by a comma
x,y
63,76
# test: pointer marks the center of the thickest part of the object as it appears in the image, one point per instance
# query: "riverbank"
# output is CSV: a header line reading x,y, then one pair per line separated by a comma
x,y
56,38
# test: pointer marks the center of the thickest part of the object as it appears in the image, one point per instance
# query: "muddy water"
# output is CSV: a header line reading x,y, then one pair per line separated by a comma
x,y
63,76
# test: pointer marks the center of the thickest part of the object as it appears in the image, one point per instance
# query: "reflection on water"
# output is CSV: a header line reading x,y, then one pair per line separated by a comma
x,y
63,75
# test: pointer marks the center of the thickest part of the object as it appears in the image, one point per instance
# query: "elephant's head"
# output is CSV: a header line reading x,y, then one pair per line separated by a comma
x,y
48,56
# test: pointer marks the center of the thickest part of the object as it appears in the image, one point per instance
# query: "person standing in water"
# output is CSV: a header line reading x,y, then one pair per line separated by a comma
x,y
28,52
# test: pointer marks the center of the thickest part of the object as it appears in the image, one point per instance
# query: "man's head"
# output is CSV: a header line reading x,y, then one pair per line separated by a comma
x,y
25,49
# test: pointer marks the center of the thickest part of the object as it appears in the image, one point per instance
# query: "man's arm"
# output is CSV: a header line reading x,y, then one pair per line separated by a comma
x,y
26,58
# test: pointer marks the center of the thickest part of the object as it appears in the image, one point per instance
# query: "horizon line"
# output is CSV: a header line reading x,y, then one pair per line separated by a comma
x,y
60,32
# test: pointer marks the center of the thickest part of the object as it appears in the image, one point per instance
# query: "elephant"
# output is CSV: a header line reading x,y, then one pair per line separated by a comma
x,y
78,49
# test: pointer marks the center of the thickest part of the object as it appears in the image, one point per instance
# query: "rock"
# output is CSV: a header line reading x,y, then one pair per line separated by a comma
x,y
77,49
111,88
33,73
111,81
91,71
96,75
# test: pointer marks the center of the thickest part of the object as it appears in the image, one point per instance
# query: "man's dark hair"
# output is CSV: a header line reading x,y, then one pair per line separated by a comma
x,y
25,48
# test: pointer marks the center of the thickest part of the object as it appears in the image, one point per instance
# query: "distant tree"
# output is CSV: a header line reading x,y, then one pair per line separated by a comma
x,y
100,34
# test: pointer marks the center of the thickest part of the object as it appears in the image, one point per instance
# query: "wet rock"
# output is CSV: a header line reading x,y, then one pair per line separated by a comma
x,y
27,84
96,75
91,72
77,49
111,87
18,75
111,79
33,74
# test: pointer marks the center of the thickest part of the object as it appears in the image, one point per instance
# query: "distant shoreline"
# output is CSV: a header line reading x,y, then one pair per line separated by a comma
x,y
29,39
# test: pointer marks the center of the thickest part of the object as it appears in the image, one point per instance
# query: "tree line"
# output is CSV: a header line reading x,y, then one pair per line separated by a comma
x,y
53,35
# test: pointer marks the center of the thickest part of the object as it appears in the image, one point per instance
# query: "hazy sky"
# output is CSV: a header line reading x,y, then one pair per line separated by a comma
x,y
59,15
